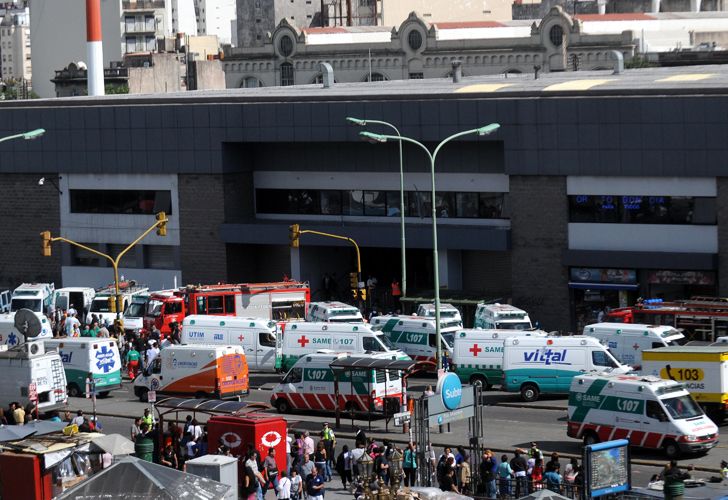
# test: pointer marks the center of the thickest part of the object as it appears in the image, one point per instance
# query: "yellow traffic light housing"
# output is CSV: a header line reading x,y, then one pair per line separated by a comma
x,y
355,293
354,280
161,224
294,235
363,293
46,242
111,301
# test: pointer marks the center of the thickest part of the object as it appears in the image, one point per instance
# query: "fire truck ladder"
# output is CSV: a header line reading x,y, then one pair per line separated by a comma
x,y
58,376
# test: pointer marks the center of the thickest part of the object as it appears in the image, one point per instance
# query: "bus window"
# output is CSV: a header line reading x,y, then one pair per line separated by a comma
x,y
201,305
214,304
229,304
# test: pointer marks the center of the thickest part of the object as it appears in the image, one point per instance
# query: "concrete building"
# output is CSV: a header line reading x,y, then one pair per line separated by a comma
x,y
215,18
15,45
598,187
531,10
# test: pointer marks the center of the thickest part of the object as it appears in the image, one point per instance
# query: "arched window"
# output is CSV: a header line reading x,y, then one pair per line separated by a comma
x,y
414,40
250,82
556,35
286,74
285,46
375,77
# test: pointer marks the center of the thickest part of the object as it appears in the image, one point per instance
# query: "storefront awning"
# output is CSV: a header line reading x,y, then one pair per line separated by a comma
x,y
603,286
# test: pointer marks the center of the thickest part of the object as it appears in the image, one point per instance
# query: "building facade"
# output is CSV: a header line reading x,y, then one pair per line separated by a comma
x,y
598,188
215,18
15,45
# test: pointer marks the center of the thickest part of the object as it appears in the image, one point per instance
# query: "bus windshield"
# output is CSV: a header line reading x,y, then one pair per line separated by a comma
x,y
682,407
32,304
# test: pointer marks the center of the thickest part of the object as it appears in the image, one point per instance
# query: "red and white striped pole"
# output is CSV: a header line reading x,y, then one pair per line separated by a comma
x,y
94,48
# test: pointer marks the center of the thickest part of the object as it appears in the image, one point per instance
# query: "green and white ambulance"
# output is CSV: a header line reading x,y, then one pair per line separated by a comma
x,y
478,354
501,317
301,338
648,411
81,356
333,312
447,312
626,341
415,335
309,385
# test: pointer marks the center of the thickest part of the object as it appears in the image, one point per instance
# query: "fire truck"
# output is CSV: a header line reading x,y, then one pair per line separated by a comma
x,y
699,318
279,301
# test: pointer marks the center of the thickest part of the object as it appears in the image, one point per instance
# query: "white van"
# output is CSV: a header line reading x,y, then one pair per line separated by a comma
x,y
648,411
257,336
415,335
196,370
82,356
333,312
38,297
78,298
501,317
478,354
447,312
309,385
626,341
301,338
546,365
100,305
29,362
134,313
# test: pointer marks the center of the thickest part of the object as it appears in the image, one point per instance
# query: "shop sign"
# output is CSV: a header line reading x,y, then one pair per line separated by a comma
x,y
667,277
602,275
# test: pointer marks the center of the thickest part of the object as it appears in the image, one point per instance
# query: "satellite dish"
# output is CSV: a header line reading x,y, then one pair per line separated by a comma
x,y
28,323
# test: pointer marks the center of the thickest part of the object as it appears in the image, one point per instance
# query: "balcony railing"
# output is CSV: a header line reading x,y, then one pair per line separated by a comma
x,y
142,4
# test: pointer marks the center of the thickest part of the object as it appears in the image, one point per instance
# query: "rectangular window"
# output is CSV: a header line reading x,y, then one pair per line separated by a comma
x,y
393,204
80,257
631,209
112,201
215,304
353,203
159,257
416,76
374,203
492,206
445,204
129,258
418,204
330,202
286,74
229,304
466,205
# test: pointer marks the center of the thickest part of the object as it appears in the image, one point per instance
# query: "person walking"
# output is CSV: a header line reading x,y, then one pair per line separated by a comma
x,y
488,473
396,294
271,471
329,438
296,485
132,361
409,465
320,459
505,474
344,466
520,467
283,490
315,485
308,445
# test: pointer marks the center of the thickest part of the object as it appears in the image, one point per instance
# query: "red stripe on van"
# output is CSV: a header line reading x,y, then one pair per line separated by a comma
x,y
636,438
620,434
604,432
653,440
297,401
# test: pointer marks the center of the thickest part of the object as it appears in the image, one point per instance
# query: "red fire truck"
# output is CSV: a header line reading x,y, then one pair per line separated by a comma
x,y
699,318
279,301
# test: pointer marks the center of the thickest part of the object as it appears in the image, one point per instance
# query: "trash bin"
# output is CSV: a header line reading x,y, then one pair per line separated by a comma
x,y
144,449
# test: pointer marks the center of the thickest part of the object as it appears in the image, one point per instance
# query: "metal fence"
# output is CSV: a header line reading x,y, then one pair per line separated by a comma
x,y
508,489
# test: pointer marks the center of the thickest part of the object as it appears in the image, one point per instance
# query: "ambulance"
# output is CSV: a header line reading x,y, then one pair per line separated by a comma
x,y
501,317
101,306
703,370
302,338
39,298
534,365
196,370
478,354
648,411
256,336
81,356
447,312
626,341
333,312
415,335
309,385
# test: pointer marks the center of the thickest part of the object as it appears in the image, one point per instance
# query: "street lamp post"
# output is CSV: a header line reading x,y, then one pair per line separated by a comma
x,y
488,129
362,123
33,134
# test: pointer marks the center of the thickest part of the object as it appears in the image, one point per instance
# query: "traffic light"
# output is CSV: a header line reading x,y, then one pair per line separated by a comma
x,y
355,294
162,224
46,240
294,234
354,280
120,303
363,293
111,301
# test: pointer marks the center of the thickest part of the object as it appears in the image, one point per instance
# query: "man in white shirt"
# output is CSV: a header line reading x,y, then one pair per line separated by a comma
x,y
151,354
71,324
308,445
283,491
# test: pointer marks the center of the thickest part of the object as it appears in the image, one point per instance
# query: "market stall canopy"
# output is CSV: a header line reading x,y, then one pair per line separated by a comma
x,y
545,495
32,428
116,444
14,433
132,478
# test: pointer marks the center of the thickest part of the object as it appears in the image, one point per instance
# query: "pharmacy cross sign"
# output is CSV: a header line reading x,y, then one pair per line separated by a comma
x,y
303,341
475,350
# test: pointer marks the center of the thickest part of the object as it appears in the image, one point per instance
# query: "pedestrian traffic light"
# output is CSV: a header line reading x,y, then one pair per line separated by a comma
x,y
46,241
294,234
162,224
111,301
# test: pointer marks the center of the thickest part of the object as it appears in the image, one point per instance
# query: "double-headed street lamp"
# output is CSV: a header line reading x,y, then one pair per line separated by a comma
x,y
488,129
363,123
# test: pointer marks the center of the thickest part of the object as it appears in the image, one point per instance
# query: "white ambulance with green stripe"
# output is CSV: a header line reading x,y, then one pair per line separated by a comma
x,y
415,335
478,354
84,355
310,385
302,338
647,411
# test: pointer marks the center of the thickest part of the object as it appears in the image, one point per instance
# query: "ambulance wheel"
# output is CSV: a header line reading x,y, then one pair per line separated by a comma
x,y
143,395
283,406
481,381
590,437
74,391
529,392
672,450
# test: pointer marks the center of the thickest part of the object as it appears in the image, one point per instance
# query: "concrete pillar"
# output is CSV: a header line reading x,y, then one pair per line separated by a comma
x,y
602,6
451,269
296,264
655,6
722,209
695,5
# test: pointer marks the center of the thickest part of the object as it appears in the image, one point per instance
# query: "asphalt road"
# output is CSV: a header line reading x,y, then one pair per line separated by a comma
x,y
509,422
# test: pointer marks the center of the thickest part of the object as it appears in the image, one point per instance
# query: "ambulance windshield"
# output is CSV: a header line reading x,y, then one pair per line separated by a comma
x,y
449,339
32,304
682,407
513,325
100,305
387,343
